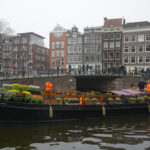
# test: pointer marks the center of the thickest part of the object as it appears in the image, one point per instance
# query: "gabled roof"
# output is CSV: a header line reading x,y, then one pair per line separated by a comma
x,y
137,24
113,22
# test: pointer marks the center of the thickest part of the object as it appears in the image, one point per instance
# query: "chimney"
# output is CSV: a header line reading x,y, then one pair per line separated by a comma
x,y
124,22
105,19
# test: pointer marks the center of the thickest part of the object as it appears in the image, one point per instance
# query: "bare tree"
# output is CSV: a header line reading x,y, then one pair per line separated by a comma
x,y
5,28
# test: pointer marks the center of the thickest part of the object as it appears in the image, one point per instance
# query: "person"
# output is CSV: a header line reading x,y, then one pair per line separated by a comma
x,y
141,85
148,86
48,86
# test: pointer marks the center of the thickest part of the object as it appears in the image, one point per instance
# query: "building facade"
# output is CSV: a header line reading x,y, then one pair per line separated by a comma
x,y
136,46
29,54
58,48
74,48
112,43
92,48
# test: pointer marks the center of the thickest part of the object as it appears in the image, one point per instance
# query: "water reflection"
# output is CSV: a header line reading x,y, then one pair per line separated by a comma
x,y
118,133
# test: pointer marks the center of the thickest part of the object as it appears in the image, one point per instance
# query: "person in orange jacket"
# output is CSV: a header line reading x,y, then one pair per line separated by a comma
x,y
48,86
148,86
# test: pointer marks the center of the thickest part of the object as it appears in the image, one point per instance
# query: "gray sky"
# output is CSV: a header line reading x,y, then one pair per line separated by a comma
x,y
40,16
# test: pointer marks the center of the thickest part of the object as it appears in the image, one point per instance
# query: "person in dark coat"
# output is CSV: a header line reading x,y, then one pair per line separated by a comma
x,y
141,85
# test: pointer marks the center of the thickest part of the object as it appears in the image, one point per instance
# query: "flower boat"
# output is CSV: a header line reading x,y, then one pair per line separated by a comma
x,y
17,105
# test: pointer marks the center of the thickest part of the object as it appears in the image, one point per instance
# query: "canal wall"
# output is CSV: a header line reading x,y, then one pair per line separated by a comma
x,y
68,83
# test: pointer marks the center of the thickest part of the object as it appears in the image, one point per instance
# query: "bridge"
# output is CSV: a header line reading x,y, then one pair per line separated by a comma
x,y
79,82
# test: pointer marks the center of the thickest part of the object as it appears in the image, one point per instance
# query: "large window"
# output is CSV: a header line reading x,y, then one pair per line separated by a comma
x,y
105,56
117,55
105,45
147,48
126,38
126,49
74,49
141,48
147,59
133,38
92,39
58,44
112,36
118,44
53,45
140,59
111,55
86,49
111,44
133,49
69,49
62,44
106,36
118,35
79,49
147,38
98,39
140,38
86,39
126,60
133,60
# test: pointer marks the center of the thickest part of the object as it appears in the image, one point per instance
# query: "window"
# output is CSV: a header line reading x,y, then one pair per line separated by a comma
x,y
105,55
74,49
126,49
141,48
112,36
97,58
140,59
105,36
80,49
86,50
133,60
126,38
140,38
74,59
111,55
147,37
62,44
92,48
74,40
53,53
97,48
58,44
69,49
57,53
74,34
126,60
118,35
147,48
86,39
98,39
53,45
105,45
133,49
92,39
69,59
133,38
111,44
117,44
117,55
69,40
86,58
147,59
79,58
79,40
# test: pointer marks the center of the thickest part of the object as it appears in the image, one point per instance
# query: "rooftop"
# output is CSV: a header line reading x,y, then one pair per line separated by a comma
x,y
113,22
28,33
137,24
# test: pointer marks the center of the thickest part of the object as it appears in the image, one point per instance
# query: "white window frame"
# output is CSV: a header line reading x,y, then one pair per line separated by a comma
x,y
131,61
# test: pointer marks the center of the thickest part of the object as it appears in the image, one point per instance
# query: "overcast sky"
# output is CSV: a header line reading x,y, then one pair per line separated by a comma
x,y
40,16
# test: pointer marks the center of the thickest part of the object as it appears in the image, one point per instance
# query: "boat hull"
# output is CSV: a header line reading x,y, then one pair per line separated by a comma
x,y
27,112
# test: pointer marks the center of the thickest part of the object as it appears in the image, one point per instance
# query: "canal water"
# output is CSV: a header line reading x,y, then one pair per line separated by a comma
x,y
114,133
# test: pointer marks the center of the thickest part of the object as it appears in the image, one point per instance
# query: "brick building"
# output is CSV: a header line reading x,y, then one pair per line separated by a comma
x,y
112,43
58,48
136,45
29,54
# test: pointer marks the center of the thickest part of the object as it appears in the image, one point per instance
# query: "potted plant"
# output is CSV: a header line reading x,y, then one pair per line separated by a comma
x,y
132,100
140,99
110,100
118,100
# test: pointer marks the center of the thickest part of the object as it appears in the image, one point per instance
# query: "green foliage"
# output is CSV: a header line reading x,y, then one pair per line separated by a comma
x,y
7,95
94,99
36,100
7,87
58,98
132,98
110,99
118,99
